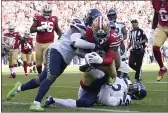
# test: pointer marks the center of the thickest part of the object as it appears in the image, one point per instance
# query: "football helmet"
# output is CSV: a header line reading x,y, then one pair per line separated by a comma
x,y
47,11
101,29
11,29
91,15
26,34
112,15
137,91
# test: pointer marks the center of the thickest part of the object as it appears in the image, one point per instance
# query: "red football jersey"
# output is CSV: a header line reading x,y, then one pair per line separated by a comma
x,y
14,39
26,45
48,35
162,10
113,40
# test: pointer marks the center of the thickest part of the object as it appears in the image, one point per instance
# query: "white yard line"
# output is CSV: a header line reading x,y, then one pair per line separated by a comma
x,y
73,87
89,109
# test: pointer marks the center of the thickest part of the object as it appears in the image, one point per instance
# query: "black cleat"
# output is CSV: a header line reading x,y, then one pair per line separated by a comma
x,y
49,100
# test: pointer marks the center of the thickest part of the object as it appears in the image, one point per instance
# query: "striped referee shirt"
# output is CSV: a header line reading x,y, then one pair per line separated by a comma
x,y
135,36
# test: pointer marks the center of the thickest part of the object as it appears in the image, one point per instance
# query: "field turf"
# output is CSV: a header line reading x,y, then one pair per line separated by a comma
x,y
66,86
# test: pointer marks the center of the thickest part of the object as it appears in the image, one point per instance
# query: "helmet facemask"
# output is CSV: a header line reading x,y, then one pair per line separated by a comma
x,y
47,11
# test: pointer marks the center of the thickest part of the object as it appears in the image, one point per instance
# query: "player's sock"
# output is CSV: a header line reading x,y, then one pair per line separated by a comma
x,y
10,68
44,87
32,83
14,68
25,66
158,56
39,69
66,102
29,85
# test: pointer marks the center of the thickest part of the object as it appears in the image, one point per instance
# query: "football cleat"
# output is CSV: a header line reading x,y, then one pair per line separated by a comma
x,y
49,100
36,107
161,74
13,92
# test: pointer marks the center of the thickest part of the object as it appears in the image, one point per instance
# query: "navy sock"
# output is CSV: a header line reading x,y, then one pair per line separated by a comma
x,y
29,85
44,87
32,83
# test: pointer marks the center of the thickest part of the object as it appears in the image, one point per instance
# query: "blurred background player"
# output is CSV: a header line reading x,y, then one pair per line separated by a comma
x,y
120,26
45,26
26,50
160,25
13,39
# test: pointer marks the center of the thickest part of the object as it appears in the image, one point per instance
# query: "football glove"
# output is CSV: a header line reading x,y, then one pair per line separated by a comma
x,y
93,58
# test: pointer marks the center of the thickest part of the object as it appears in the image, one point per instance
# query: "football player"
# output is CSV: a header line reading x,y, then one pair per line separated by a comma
x,y
96,66
13,40
26,49
58,56
120,26
45,26
160,31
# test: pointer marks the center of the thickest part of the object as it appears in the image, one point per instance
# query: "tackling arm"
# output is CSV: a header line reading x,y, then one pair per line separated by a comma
x,y
77,42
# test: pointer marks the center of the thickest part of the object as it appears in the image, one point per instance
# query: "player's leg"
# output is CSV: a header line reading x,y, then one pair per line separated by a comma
x,y
33,83
28,57
34,61
45,47
39,56
24,59
55,65
159,38
14,60
10,65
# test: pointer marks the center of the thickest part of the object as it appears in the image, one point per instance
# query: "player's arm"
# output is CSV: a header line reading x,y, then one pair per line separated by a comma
x,y
57,29
77,40
33,28
155,20
124,32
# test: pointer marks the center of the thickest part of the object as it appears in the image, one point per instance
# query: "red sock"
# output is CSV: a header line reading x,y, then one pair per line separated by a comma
x,y
25,66
158,56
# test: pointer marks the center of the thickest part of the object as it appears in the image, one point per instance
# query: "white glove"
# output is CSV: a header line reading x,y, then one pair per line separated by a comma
x,y
151,36
42,28
93,58
29,46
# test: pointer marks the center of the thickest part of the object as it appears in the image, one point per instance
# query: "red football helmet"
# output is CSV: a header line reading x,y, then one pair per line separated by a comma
x,y
47,11
101,29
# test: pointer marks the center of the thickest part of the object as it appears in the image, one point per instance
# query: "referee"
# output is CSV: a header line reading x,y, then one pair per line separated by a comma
x,y
137,39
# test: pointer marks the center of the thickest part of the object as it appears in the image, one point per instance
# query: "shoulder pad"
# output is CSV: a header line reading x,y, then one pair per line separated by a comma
x,y
79,24
114,40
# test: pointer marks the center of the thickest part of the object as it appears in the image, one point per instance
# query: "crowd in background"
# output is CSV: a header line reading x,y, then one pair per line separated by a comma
x,y
21,13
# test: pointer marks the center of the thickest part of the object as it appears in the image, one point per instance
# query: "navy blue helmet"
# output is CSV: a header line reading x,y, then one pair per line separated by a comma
x,y
91,15
137,91
112,15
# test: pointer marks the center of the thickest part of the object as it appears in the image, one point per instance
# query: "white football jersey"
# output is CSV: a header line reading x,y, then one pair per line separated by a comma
x,y
124,67
64,44
113,94
119,25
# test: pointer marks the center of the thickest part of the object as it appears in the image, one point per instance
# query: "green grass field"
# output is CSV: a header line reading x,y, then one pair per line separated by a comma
x,y
67,85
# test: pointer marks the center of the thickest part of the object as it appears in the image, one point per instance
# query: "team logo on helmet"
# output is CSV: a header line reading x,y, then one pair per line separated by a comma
x,y
101,29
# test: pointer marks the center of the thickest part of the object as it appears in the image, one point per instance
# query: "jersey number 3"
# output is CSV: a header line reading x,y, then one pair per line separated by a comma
x,y
49,24
164,15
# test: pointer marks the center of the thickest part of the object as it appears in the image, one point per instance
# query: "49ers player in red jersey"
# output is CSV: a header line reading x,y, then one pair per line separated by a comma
x,y
160,25
13,40
108,40
45,26
26,50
